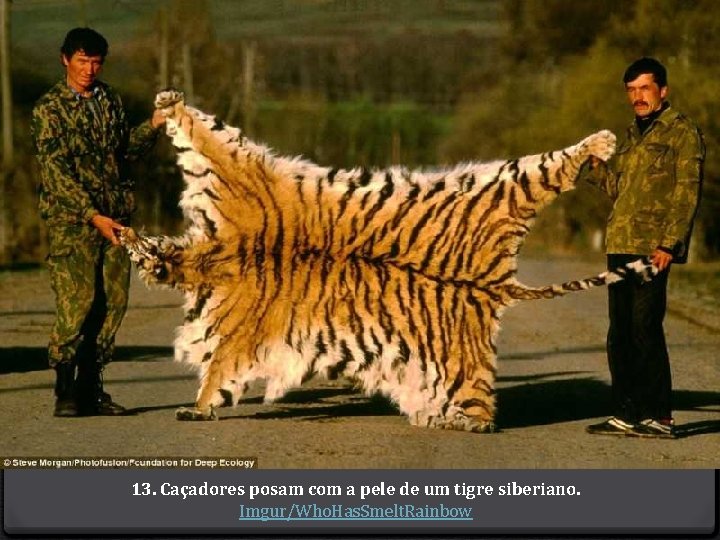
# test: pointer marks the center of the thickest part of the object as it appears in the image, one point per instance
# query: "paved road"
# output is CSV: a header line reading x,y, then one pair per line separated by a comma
x,y
553,381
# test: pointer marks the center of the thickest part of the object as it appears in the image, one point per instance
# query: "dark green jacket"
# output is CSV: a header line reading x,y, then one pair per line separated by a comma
x,y
654,181
82,156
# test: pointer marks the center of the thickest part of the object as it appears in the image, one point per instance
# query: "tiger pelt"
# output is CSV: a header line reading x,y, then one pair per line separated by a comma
x,y
394,278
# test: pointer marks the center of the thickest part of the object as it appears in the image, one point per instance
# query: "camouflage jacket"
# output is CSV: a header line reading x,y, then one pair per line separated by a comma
x,y
82,155
654,181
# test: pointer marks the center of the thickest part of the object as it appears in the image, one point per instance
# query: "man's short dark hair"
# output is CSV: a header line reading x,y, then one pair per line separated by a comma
x,y
646,65
84,39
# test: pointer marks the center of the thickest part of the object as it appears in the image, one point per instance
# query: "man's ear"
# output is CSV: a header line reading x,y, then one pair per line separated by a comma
x,y
65,61
664,92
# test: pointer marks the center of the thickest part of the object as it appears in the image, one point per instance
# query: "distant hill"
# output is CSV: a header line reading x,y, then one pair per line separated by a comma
x,y
412,41
39,25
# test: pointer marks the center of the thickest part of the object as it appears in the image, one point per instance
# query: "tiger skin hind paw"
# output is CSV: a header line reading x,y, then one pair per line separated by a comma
x,y
462,422
601,144
195,414
168,98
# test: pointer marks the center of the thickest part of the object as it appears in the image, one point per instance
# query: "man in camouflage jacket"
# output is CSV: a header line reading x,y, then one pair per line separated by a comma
x,y
654,181
82,142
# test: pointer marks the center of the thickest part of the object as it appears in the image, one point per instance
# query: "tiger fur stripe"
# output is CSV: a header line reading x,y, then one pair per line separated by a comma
x,y
394,278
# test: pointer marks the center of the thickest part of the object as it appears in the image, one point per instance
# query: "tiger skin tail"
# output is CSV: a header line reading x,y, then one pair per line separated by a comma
x,y
641,270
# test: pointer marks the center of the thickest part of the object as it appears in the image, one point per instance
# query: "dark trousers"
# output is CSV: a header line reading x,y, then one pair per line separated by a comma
x,y
637,354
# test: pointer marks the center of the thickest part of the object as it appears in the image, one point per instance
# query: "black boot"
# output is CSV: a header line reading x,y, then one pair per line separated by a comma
x,y
93,399
65,403
105,405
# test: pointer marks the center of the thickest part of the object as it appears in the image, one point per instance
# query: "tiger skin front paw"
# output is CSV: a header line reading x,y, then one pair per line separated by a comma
x,y
463,422
167,98
195,414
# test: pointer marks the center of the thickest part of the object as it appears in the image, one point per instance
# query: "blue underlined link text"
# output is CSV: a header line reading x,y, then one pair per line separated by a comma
x,y
365,512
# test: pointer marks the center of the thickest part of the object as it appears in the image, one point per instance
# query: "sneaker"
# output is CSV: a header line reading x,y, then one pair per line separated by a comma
x,y
658,429
611,426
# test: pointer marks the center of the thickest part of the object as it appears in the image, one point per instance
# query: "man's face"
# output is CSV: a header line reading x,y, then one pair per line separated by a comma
x,y
82,70
645,95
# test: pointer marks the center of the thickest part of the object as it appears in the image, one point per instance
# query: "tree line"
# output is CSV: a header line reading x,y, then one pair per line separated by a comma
x,y
534,76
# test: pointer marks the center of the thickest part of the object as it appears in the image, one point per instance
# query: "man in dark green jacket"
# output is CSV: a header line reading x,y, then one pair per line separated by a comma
x,y
654,181
82,142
